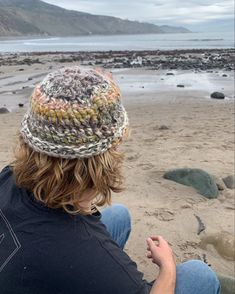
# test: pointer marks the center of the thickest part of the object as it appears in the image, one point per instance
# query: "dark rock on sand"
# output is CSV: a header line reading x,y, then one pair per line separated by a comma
x,y
203,182
230,182
170,74
21,69
180,86
30,79
3,110
217,95
21,104
163,127
224,75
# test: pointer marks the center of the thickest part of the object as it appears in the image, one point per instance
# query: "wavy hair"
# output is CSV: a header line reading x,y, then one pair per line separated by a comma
x,y
61,183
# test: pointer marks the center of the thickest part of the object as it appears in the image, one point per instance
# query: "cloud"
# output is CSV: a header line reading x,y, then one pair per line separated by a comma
x,y
174,12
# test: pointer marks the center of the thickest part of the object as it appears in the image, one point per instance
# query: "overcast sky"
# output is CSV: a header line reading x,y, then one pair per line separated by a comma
x,y
196,15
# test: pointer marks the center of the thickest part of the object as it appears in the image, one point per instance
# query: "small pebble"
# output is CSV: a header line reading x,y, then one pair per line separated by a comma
x,y
3,110
163,127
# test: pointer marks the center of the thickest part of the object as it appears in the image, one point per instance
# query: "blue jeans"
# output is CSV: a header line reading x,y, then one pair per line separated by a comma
x,y
192,277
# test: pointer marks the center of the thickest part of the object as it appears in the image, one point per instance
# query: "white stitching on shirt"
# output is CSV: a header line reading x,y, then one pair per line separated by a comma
x,y
14,237
2,238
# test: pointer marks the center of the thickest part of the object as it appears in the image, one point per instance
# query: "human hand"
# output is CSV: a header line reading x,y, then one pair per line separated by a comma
x,y
160,252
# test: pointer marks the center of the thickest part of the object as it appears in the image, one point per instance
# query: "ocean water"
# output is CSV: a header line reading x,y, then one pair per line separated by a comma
x,y
120,42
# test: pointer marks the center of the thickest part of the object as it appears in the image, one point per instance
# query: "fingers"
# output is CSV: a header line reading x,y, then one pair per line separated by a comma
x,y
151,241
150,244
160,240
157,238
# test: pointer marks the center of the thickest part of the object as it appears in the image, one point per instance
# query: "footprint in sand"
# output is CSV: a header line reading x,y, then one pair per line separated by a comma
x,y
150,140
133,157
162,214
146,166
190,255
223,242
188,244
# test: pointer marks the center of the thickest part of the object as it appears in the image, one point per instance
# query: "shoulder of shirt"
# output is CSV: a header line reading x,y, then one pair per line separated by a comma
x,y
5,173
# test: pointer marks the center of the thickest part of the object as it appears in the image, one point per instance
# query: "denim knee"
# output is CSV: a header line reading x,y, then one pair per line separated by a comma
x,y
117,220
195,276
121,212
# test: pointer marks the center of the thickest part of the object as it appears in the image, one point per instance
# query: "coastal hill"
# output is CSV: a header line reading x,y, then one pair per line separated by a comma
x,y
37,18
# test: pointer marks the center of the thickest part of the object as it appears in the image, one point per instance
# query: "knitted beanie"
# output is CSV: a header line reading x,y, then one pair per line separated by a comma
x,y
74,113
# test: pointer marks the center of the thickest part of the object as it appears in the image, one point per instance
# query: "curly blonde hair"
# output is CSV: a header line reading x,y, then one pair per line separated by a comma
x,y
61,183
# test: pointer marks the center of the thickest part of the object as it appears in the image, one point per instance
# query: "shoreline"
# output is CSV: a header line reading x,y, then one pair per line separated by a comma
x,y
176,73
195,59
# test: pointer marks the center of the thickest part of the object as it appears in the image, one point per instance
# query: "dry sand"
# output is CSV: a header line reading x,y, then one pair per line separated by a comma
x,y
200,134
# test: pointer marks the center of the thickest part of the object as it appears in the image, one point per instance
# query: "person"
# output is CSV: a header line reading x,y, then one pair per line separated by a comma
x,y
53,238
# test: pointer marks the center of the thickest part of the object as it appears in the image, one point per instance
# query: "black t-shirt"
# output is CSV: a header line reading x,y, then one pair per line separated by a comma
x,y
46,251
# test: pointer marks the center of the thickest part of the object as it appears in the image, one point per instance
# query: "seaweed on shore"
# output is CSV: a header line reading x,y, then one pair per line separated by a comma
x,y
201,225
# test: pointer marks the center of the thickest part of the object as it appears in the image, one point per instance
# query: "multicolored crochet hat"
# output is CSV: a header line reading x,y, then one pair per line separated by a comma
x,y
74,113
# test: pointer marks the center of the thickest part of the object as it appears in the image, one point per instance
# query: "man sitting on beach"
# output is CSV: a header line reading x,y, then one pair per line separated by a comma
x,y
53,239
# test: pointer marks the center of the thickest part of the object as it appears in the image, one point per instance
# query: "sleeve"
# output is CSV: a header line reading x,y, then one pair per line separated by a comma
x,y
116,273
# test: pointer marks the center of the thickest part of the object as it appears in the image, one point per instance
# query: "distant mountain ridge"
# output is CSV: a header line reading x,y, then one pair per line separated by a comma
x,y
35,17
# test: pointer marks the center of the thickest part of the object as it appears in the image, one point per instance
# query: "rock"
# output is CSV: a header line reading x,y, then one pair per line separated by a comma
x,y
163,127
30,79
21,69
3,110
138,61
196,178
220,183
13,92
180,86
224,75
21,104
230,182
170,74
217,95
223,242
187,205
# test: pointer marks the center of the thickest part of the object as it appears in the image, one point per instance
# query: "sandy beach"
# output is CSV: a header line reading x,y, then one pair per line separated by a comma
x,y
171,127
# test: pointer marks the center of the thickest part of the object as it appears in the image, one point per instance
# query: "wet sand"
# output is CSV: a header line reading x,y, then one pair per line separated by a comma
x,y
198,132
